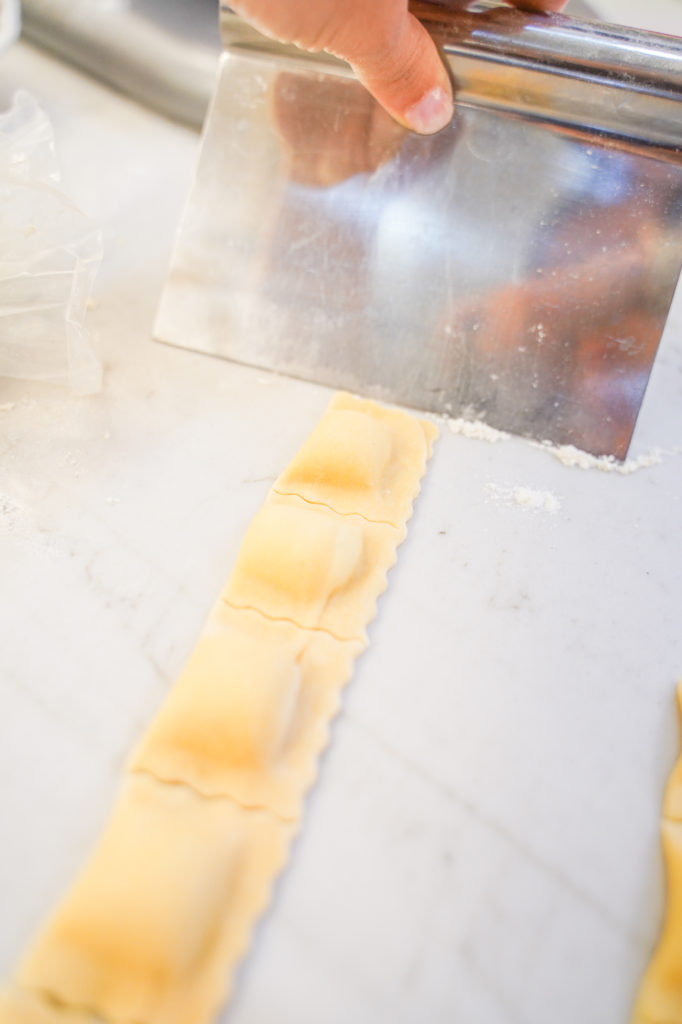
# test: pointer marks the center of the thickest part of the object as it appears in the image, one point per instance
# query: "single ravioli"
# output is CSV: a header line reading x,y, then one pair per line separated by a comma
x,y
162,910
316,568
249,715
363,459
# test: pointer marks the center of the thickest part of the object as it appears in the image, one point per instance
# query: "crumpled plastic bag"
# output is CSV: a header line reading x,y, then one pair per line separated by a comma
x,y
49,255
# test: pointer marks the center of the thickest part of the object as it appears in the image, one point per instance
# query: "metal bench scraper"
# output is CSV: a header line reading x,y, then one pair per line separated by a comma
x,y
516,268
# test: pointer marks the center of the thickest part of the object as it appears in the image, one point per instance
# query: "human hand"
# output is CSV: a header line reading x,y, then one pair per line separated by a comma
x,y
388,48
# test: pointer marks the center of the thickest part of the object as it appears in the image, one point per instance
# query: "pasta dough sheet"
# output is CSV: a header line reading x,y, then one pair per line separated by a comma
x,y
362,459
660,996
164,905
249,715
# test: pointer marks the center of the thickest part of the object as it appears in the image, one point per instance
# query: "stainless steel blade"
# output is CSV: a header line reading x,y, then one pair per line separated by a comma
x,y
516,268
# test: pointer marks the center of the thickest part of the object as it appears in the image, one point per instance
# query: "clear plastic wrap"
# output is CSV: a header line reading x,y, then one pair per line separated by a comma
x,y
49,254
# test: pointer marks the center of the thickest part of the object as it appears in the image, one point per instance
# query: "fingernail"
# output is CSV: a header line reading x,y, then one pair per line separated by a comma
x,y
431,113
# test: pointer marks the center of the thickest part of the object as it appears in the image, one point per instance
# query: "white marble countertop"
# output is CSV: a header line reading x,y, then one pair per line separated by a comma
x,y
482,845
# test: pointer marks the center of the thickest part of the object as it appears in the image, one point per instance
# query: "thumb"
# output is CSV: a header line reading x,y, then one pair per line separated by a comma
x,y
406,75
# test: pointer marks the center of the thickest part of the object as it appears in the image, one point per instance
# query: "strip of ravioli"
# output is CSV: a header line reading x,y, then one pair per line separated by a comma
x,y
660,996
250,714
154,925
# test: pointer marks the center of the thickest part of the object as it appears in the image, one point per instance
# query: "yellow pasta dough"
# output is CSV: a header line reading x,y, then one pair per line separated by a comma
x,y
152,928
248,716
20,1007
672,801
164,904
660,996
361,459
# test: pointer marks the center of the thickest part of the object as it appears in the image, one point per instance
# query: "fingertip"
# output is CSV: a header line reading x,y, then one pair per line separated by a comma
x,y
432,112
